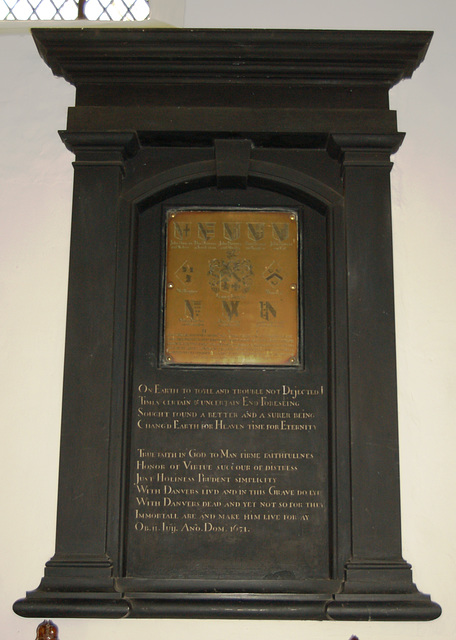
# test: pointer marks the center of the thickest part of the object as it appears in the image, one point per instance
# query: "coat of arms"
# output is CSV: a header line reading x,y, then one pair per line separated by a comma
x,y
229,277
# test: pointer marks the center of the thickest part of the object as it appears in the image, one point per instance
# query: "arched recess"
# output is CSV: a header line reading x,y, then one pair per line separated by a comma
x,y
270,177
261,174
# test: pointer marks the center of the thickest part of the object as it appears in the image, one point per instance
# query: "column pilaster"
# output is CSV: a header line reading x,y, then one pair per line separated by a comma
x,y
81,550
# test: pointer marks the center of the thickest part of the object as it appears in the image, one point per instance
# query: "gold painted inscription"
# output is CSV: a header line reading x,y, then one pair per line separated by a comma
x,y
227,487
231,288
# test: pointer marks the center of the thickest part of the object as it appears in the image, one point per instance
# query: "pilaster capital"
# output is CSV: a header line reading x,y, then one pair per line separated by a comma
x,y
354,149
101,148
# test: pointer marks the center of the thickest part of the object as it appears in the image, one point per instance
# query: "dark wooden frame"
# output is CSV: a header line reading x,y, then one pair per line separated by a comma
x,y
302,114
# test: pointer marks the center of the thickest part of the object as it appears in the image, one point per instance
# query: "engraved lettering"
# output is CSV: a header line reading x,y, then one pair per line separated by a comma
x,y
222,255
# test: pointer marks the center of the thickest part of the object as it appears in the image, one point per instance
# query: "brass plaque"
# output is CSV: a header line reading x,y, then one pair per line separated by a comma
x,y
231,288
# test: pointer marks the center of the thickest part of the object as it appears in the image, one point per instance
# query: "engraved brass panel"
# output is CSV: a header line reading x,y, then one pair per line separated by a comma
x,y
231,288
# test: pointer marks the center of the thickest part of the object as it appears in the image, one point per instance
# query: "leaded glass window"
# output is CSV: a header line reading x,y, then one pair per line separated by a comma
x,y
118,10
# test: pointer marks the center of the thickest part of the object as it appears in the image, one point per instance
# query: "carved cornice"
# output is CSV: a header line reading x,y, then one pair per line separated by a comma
x,y
300,57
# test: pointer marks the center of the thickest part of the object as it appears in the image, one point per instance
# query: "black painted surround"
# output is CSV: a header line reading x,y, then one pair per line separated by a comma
x,y
231,118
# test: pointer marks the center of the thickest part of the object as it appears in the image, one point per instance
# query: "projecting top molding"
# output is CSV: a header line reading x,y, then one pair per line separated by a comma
x,y
236,55
273,87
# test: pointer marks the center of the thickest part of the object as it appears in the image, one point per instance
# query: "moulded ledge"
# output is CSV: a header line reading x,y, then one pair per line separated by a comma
x,y
354,607
59,606
171,606
418,607
234,606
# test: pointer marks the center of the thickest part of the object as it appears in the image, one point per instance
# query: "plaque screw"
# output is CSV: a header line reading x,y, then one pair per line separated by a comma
x,y
292,217
292,360
169,359
293,287
170,285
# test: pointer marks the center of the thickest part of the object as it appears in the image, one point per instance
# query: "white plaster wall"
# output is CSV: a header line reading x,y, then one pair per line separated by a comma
x,y
35,179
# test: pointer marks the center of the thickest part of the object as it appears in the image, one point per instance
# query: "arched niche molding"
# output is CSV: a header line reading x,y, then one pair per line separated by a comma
x,y
263,175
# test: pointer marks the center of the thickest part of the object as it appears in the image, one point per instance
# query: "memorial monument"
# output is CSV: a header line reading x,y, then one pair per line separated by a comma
x,y
229,431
